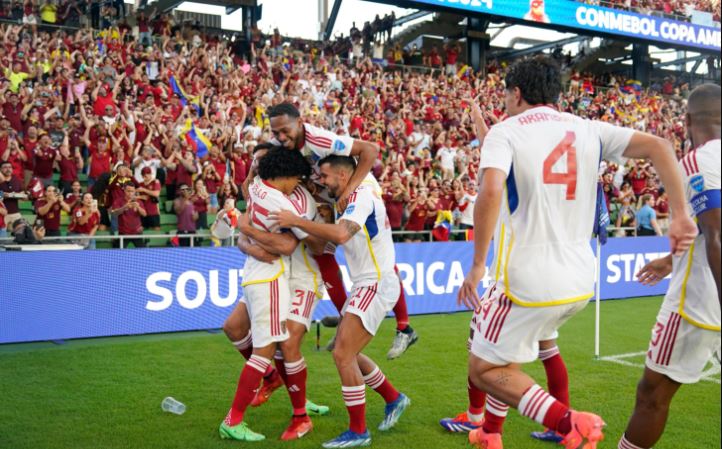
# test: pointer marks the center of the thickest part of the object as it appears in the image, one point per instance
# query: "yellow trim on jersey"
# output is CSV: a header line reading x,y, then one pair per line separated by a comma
x,y
263,281
683,296
499,252
374,184
507,289
308,265
371,251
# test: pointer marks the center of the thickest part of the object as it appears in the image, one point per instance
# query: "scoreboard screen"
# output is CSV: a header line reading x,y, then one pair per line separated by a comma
x,y
595,19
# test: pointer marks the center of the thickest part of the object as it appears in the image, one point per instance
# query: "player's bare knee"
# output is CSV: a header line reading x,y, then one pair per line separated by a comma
x,y
233,330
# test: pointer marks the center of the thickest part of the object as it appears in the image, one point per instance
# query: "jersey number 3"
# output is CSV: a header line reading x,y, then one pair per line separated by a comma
x,y
569,179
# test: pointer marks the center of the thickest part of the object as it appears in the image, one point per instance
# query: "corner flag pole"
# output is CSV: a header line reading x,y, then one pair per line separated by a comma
x,y
597,300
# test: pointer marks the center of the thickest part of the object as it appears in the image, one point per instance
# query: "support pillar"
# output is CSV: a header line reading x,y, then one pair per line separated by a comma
x,y
641,63
477,43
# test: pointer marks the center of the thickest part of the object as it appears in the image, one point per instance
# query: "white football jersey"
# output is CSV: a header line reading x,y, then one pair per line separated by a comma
x,y
370,252
264,199
303,265
692,289
543,254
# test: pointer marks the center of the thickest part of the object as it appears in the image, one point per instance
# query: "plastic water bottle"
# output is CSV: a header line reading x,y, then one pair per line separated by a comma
x,y
171,405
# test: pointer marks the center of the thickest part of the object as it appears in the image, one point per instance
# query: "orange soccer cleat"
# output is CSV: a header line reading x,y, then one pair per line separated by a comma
x,y
483,440
266,390
300,426
585,426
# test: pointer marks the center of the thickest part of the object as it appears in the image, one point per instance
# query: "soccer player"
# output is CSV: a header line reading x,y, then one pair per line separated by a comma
x,y
364,231
315,143
266,292
687,333
542,164
556,370
238,325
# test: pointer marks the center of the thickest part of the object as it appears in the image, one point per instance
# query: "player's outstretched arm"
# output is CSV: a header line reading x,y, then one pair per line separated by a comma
x,y
255,251
486,213
709,223
682,229
276,243
336,233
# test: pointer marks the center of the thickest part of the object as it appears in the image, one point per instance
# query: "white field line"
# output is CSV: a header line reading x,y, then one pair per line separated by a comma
x,y
710,375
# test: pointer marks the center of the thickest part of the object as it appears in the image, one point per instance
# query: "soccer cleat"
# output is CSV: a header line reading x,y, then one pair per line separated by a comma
x,y
316,409
394,411
239,432
266,390
349,439
585,426
401,343
548,435
479,438
300,426
461,423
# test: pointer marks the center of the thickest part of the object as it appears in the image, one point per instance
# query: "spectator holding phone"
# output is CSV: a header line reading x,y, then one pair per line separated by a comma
x,y
129,211
85,221
148,193
48,209
186,213
12,188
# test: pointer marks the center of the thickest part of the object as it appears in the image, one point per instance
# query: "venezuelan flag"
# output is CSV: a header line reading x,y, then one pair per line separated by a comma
x,y
185,99
200,143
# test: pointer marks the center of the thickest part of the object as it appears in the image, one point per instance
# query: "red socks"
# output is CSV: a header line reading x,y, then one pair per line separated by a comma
x,y
540,406
331,275
245,346
378,382
400,311
477,400
557,377
296,374
247,384
355,400
495,415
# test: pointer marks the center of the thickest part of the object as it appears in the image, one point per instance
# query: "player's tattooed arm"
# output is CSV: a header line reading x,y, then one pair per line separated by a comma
x,y
350,227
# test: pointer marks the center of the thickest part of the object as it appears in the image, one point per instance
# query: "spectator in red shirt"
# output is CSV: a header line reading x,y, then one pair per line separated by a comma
x,y
85,221
48,208
12,110
395,200
45,156
69,164
13,153
416,211
129,211
148,194
239,167
201,199
75,195
452,55
212,181
186,213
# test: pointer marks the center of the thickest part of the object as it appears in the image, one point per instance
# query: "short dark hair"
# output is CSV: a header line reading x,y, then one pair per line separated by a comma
x,y
5,162
284,109
336,161
539,80
282,163
263,146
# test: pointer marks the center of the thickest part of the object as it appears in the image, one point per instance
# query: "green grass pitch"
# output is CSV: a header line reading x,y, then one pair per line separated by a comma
x,y
106,393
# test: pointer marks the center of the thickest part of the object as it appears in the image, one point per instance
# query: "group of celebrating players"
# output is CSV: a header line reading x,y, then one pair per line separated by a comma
x,y
311,190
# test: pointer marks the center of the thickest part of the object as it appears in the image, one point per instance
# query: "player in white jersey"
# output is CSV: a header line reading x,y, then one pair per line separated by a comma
x,y
365,233
316,143
537,197
267,298
687,333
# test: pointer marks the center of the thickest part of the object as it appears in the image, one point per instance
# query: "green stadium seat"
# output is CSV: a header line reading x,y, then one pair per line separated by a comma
x,y
25,206
241,205
166,219
168,206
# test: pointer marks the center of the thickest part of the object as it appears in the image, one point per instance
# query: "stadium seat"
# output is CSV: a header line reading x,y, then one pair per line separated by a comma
x,y
166,219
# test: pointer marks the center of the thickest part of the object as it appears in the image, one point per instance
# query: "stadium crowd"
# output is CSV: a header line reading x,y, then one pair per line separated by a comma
x,y
92,113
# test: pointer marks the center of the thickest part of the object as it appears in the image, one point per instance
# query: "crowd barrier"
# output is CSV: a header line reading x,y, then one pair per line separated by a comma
x,y
78,294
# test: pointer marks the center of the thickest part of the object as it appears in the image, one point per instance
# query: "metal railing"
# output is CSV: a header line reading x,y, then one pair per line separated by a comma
x,y
195,240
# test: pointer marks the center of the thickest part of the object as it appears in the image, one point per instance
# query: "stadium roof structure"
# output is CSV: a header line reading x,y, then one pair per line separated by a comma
x,y
626,36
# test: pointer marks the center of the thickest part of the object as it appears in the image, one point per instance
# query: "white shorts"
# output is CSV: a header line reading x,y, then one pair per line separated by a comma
x,y
30,20
373,302
268,305
680,350
303,301
508,333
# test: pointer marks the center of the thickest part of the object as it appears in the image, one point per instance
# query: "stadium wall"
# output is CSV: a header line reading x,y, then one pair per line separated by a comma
x,y
60,295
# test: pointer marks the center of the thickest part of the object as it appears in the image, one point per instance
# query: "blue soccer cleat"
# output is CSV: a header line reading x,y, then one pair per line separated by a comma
x,y
461,423
394,411
349,439
548,436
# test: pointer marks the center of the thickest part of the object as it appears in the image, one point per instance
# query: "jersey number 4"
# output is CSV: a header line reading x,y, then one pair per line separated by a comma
x,y
569,179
